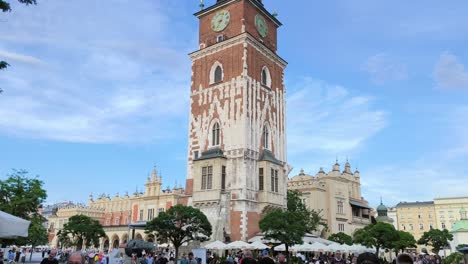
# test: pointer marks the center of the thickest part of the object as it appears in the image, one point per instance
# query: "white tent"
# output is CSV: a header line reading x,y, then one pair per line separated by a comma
x,y
239,245
12,226
215,245
259,245
282,247
335,247
318,247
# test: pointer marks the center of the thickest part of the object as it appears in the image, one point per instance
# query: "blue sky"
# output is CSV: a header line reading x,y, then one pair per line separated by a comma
x,y
98,93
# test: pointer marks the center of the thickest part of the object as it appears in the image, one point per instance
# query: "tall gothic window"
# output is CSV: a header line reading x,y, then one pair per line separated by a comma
x,y
218,76
260,179
264,77
266,138
215,135
207,178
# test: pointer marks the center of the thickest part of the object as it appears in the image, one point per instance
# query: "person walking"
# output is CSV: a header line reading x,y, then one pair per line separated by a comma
x,y
50,258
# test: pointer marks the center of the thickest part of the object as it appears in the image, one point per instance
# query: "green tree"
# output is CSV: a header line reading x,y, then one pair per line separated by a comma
x,y
180,224
454,258
341,238
406,240
379,235
285,226
21,195
37,234
436,238
289,226
313,219
81,230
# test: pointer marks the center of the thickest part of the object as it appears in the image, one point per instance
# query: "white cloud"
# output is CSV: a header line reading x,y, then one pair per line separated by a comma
x,y
382,68
329,118
106,80
450,73
19,58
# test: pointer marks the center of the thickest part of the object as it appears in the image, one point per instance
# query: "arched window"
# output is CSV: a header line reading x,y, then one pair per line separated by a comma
x,y
265,77
215,135
266,138
218,74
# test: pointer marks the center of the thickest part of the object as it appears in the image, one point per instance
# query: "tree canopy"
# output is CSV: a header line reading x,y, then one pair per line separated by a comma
x,y
406,240
341,238
379,235
289,226
312,219
437,239
81,230
180,224
21,195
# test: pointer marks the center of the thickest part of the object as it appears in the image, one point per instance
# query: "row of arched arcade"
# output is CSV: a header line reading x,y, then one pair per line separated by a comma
x,y
115,241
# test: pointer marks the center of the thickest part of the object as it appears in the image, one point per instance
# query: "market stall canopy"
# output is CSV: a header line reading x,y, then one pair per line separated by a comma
x,y
12,226
318,247
282,247
215,245
259,245
239,245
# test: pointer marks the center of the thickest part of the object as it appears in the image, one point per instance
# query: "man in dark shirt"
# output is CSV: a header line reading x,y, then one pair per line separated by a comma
x,y
265,258
51,258
338,259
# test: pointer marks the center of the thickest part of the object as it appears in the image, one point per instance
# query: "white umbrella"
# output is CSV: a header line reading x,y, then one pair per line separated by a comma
x,y
335,247
12,226
306,247
259,245
318,247
239,245
282,247
215,245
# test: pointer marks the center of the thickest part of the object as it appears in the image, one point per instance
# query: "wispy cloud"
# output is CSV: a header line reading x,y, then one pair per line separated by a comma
x,y
20,58
105,80
383,68
450,73
329,118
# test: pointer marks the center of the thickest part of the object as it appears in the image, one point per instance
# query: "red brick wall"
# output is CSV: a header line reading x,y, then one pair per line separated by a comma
x,y
252,224
168,204
242,13
235,218
135,213
189,187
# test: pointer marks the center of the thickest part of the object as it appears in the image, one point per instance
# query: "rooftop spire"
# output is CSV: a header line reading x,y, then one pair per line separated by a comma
x,y
201,5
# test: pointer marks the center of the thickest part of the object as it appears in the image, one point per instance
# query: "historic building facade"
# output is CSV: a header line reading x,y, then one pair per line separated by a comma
x,y
116,213
447,211
237,132
416,217
337,195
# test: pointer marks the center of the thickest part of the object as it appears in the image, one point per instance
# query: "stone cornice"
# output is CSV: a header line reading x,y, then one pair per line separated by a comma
x,y
239,39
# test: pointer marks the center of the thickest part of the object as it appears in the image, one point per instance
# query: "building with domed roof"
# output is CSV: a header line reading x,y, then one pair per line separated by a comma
x,y
382,214
460,230
337,195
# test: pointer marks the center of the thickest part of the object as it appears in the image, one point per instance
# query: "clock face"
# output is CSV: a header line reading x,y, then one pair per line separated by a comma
x,y
220,20
261,25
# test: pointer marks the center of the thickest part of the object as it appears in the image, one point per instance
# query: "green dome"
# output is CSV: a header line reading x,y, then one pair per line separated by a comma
x,y
382,207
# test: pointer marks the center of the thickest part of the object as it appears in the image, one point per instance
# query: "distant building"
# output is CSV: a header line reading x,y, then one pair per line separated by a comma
x,y
416,217
447,211
392,213
337,195
460,230
382,214
116,213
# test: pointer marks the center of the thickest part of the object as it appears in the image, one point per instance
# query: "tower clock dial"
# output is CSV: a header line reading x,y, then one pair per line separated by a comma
x,y
220,20
261,25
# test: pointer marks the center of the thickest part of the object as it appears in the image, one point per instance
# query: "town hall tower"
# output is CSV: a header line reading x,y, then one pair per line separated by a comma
x,y
237,163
